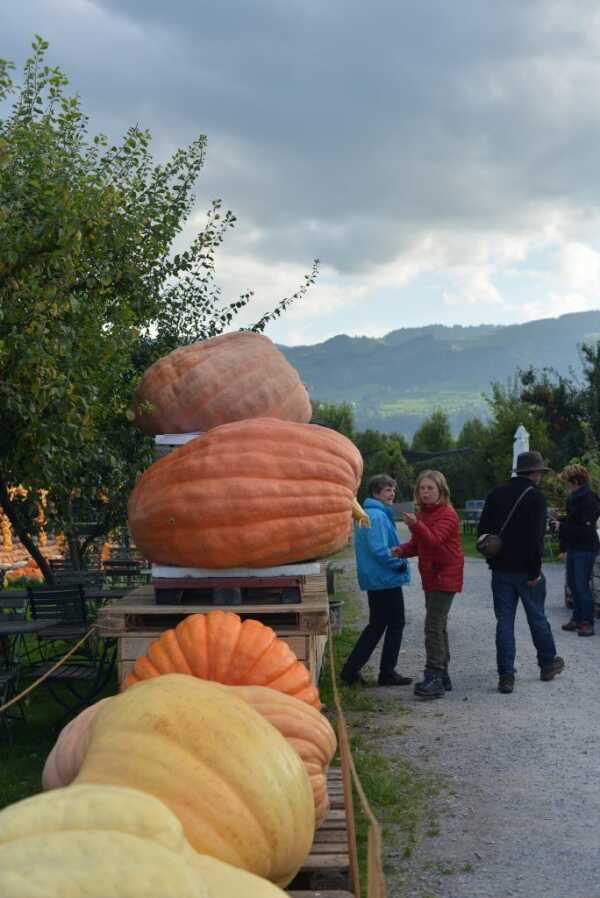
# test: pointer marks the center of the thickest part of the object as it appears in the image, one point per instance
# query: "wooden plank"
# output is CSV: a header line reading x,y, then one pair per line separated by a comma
x,y
318,862
141,600
327,893
340,823
337,848
124,668
335,815
131,647
331,835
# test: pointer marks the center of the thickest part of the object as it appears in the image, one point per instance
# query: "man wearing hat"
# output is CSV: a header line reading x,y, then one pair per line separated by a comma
x,y
517,512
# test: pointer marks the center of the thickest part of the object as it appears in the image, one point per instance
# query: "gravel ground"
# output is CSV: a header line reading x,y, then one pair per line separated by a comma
x,y
520,815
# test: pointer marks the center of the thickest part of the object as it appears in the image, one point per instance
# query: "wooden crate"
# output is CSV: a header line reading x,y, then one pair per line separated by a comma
x,y
136,620
326,870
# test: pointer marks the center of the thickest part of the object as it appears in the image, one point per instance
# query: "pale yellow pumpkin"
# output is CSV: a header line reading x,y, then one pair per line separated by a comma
x,y
240,790
305,728
99,841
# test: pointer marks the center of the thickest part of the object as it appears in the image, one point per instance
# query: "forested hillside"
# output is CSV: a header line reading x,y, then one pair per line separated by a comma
x,y
397,380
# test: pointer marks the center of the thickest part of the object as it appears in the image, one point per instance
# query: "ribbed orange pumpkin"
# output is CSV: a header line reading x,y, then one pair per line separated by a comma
x,y
220,646
227,378
305,728
250,494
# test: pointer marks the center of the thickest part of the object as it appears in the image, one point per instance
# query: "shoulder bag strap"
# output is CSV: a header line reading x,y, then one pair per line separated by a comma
x,y
514,508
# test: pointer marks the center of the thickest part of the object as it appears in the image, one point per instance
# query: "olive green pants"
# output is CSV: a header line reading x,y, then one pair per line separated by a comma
x,y
437,606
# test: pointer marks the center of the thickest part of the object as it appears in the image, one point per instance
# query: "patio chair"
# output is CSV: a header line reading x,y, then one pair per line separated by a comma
x,y
127,571
78,681
12,608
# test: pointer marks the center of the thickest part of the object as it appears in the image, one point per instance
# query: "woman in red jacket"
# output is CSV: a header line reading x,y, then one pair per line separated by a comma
x,y
435,538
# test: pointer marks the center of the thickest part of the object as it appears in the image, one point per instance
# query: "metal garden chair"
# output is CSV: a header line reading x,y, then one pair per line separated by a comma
x,y
78,680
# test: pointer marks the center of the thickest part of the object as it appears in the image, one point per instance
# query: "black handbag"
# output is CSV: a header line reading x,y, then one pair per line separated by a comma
x,y
490,544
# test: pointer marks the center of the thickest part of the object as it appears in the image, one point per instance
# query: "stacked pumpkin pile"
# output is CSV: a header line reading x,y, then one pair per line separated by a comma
x,y
181,786
206,776
259,486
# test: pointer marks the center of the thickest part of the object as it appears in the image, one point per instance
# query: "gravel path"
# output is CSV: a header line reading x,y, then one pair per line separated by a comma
x,y
521,814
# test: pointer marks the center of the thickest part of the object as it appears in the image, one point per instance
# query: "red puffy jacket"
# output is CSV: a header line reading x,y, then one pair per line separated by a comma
x,y
435,538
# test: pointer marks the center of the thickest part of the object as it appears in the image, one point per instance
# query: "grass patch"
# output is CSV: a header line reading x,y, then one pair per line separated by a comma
x,y
24,755
399,794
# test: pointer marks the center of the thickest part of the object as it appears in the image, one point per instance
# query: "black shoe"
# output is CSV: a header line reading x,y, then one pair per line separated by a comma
x,y
393,679
432,686
571,625
586,629
506,684
355,679
447,682
548,673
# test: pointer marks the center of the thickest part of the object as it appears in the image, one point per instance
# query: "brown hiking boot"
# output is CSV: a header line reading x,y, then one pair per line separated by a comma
x,y
506,684
548,673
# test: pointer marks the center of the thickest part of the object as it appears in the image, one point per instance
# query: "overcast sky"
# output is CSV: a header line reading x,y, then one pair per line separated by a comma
x,y
441,158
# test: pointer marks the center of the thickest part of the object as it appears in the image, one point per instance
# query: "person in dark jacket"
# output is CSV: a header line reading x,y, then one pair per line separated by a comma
x,y
382,576
435,539
578,537
517,569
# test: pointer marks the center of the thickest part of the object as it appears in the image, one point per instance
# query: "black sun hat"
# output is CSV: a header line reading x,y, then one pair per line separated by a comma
x,y
529,462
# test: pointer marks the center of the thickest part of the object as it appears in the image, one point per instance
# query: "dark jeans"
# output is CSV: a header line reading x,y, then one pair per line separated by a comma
x,y
580,565
386,615
437,650
507,589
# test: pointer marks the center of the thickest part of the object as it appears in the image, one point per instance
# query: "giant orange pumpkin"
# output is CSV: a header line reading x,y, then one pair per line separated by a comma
x,y
227,378
249,494
220,646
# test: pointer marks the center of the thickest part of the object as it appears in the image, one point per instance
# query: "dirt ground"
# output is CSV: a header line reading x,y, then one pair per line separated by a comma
x,y
519,805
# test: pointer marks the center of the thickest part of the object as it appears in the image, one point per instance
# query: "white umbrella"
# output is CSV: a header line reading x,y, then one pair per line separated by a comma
x,y
520,444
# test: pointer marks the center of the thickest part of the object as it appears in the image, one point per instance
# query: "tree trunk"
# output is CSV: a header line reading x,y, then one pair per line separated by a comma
x,y
23,535
73,544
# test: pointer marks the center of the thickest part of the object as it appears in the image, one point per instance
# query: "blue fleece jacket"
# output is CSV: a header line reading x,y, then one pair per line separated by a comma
x,y
375,567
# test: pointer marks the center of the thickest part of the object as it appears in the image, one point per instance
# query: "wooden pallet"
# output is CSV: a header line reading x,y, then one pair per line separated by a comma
x,y
326,870
229,591
237,590
136,620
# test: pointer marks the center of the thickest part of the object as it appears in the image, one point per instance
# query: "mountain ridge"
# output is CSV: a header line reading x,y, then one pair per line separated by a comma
x,y
383,377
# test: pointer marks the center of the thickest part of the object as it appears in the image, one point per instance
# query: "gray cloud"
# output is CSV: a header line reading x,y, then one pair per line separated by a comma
x,y
345,129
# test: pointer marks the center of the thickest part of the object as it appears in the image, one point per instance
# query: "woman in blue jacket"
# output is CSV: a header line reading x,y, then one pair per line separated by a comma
x,y
382,575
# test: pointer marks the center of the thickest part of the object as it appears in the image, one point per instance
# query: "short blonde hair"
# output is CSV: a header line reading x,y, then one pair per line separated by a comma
x,y
439,480
575,474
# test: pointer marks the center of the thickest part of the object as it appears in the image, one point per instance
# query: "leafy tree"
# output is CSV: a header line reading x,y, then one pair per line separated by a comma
x,y
338,416
467,474
434,434
591,370
508,410
87,272
383,453
560,401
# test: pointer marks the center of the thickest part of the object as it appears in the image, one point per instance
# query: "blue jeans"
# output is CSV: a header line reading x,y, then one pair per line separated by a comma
x,y
507,589
579,573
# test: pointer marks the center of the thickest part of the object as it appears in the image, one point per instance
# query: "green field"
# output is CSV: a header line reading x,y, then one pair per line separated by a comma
x,y
424,403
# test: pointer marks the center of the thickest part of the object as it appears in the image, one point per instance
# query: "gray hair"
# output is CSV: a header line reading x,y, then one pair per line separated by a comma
x,y
378,482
